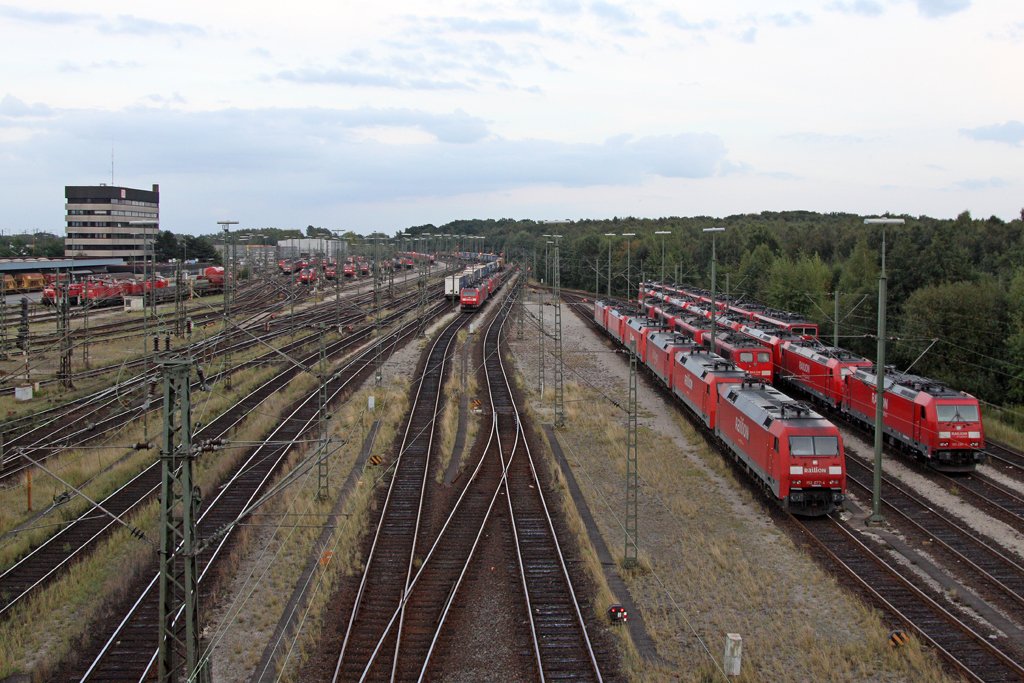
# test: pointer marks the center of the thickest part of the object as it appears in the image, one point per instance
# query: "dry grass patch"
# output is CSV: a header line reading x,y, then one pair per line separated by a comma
x,y
100,579
293,524
724,566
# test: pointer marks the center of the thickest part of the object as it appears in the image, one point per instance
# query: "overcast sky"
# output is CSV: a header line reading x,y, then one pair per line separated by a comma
x,y
381,115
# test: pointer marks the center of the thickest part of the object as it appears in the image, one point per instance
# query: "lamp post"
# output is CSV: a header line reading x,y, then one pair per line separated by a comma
x,y
663,233
876,493
714,265
610,234
629,244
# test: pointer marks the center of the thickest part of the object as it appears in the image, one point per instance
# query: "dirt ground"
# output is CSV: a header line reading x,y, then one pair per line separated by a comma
x,y
712,560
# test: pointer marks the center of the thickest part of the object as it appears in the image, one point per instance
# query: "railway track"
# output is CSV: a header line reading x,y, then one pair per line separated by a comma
x,y
46,561
969,653
980,564
503,487
128,653
389,563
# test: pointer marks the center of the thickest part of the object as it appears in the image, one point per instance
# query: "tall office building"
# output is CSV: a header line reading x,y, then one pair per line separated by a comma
x,y
103,220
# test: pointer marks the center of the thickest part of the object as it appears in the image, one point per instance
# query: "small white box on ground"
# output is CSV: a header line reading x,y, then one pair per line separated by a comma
x,y
733,654
134,303
371,403
23,393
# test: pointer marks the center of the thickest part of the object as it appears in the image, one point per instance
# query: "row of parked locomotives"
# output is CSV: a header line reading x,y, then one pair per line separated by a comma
x,y
935,423
109,291
791,451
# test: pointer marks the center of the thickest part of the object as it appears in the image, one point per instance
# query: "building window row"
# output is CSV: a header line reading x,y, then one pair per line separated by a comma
x,y
101,212
104,247
100,224
133,202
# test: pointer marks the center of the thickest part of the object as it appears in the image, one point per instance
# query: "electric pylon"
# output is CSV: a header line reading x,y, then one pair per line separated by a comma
x,y
179,647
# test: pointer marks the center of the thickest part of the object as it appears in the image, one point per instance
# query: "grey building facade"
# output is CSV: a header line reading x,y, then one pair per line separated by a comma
x,y
109,221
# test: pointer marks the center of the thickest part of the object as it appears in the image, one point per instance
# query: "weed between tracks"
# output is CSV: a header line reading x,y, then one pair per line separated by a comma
x,y
286,537
457,385
47,628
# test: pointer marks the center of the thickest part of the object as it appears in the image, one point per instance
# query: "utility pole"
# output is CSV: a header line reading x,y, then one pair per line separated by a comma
x,y
179,300
520,304
323,463
632,486
378,285
229,276
556,269
876,517
86,307
543,297
610,234
64,332
835,320
179,649
423,281
714,265
662,233
3,316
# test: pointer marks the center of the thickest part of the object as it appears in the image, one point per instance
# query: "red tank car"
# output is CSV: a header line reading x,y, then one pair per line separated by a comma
x,y
662,348
941,426
696,378
795,453
819,370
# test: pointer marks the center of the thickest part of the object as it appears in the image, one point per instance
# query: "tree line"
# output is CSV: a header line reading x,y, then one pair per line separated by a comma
x,y
955,304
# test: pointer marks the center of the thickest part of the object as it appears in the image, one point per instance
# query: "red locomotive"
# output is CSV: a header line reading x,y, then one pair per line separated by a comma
x,y
939,425
473,297
795,453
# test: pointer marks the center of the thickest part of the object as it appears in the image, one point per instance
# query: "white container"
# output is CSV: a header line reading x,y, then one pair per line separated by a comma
x,y
733,659
23,393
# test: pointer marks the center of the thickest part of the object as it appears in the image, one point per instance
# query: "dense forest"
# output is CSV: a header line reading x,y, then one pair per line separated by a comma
x,y
955,304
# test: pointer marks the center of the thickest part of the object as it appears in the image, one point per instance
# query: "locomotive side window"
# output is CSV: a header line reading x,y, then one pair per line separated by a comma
x,y
957,413
746,357
813,445
762,357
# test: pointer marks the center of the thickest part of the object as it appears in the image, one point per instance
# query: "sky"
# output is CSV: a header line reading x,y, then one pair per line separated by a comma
x,y
378,116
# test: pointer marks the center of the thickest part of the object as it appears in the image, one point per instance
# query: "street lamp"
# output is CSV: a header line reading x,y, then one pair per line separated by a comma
x,y
876,494
610,234
629,243
663,233
714,265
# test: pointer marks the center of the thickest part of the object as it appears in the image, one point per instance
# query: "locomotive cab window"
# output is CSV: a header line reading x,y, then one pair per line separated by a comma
x,y
957,413
746,357
800,446
762,357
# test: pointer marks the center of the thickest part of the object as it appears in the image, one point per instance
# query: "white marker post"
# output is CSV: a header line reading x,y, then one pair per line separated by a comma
x,y
733,658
